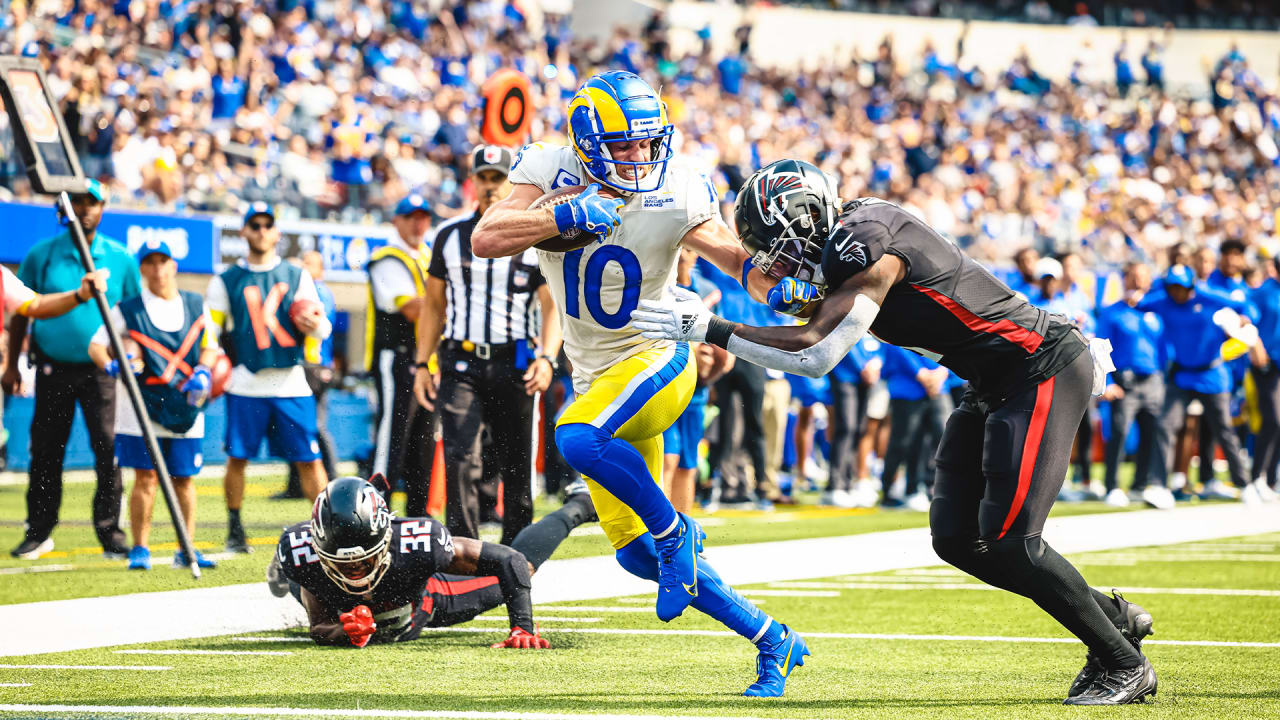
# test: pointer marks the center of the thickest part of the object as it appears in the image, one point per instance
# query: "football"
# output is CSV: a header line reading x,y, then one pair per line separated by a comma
x,y
573,238
302,307
220,374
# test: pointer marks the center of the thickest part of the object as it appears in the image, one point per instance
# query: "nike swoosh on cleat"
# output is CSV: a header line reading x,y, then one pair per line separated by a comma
x,y
786,661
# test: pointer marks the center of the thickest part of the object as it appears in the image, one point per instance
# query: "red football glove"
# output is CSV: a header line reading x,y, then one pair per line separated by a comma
x,y
524,640
359,625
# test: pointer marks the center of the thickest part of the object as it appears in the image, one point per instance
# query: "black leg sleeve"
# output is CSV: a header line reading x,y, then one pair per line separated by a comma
x,y
512,570
539,541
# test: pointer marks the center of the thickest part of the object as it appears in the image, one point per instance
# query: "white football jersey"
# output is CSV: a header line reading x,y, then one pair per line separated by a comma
x,y
597,287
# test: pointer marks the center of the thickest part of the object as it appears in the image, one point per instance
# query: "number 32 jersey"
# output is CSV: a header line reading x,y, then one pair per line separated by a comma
x,y
598,286
420,548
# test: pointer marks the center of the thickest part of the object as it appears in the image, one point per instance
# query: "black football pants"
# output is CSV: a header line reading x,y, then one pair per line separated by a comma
x,y
475,393
998,474
59,388
404,443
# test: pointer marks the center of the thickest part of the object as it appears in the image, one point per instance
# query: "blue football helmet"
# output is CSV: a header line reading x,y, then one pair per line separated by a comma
x,y
619,106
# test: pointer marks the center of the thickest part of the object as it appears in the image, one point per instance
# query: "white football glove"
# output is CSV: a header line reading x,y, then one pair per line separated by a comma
x,y
680,316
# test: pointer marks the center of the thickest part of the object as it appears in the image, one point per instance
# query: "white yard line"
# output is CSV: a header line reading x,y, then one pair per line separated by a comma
x,y
343,713
899,585
866,636
202,652
35,569
151,668
59,625
788,593
271,639
539,618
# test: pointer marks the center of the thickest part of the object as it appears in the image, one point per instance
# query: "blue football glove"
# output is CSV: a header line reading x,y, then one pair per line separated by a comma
x,y
113,367
589,212
197,386
791,296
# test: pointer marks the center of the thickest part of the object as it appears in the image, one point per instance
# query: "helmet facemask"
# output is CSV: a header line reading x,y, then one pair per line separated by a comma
x,y
358,570
796,253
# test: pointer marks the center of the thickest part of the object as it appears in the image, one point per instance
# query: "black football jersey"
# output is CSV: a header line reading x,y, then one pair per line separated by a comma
x,y
949,307
420,547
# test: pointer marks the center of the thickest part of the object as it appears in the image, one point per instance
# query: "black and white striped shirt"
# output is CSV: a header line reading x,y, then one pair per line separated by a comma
x,y
489,300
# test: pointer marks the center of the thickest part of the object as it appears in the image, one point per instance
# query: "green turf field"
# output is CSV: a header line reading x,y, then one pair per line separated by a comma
x,y
648,673
77,569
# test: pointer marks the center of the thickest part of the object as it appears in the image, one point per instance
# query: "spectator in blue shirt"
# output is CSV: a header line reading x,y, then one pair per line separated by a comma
x,y
913,380
66,377
229,92
1137,386
1228,278
1193,321
1266,375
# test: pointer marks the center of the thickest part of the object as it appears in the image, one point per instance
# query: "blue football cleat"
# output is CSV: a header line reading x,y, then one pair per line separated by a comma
x,y
140,558
180,560
774,665
678,568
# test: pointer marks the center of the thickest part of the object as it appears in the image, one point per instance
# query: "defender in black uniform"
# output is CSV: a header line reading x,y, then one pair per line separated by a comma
x,y
870,265
364,575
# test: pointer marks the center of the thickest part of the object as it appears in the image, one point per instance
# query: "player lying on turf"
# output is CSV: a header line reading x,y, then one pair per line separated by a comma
x,y
601,250
364,575
870,265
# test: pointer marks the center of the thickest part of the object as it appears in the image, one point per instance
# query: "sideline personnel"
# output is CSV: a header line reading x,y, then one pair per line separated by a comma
x,y
405,435
489,370
65,376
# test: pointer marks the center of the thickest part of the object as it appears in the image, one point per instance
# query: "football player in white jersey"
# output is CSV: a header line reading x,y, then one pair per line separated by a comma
x,y
630,389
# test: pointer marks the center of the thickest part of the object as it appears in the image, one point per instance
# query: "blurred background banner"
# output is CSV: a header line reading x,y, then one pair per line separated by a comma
x,y
190,237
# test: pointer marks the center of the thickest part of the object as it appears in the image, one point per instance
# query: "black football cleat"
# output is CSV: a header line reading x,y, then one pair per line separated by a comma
x,y
1119,687
236,540
1136,627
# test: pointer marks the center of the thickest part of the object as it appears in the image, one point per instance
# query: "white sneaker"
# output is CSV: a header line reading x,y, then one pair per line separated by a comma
x,y
1158,497
1118,498
898,489
866,494
1250,495
918,502
1268,495
1177,481
36,552
1097,490
842,499
1219,489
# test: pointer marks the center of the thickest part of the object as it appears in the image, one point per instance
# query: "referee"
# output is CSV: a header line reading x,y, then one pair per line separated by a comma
x,y
397,281
480,312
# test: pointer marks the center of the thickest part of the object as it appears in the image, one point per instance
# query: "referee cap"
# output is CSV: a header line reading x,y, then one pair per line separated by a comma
x,y
491,157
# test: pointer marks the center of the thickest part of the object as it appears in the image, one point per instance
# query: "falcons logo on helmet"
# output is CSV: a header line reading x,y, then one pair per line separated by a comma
x,y
773,191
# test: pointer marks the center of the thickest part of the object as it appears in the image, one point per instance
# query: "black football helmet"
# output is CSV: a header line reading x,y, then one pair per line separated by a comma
x,y
785,212
351,532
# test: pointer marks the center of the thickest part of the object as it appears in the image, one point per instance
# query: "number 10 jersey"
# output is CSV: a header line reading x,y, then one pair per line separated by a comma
x,y
597,287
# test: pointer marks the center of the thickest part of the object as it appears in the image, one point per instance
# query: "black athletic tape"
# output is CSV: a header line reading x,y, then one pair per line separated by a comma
x,y
719,330
512,570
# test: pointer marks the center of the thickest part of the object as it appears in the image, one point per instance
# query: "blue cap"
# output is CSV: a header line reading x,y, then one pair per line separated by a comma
x,y
1180,275
153,246
259,208
94,189
411,203
31,49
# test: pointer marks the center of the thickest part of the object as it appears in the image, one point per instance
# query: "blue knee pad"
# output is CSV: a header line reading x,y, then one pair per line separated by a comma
x,y
620,469
715,597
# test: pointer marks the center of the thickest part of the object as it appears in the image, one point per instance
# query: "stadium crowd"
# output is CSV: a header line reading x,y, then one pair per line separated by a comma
x,y
341,110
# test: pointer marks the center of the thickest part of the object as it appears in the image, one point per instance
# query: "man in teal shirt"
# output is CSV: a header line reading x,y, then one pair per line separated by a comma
x,y
65,376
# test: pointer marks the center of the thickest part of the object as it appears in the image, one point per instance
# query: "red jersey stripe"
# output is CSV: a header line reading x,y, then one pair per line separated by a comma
x,y
1007,329
459,587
